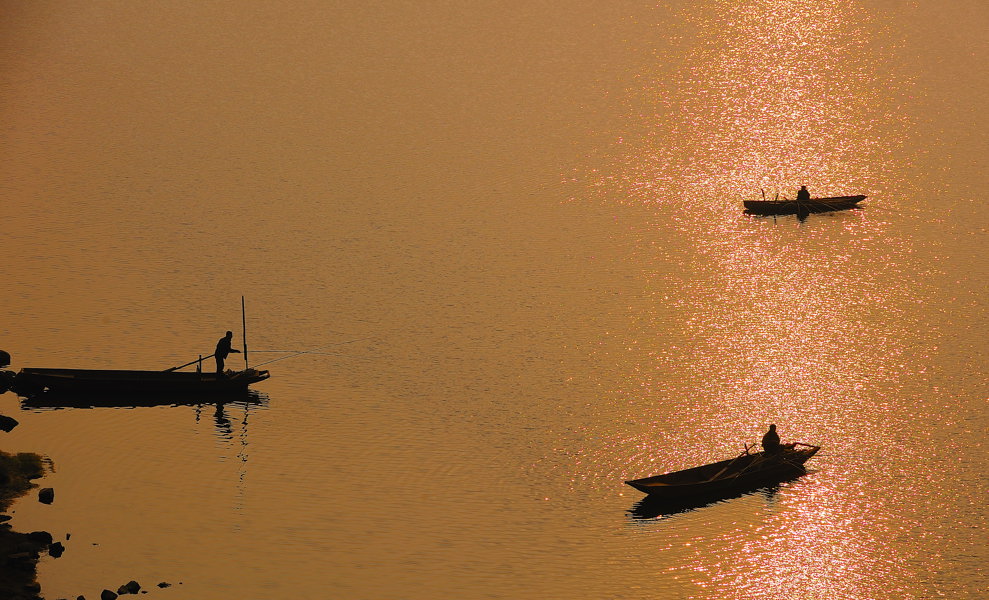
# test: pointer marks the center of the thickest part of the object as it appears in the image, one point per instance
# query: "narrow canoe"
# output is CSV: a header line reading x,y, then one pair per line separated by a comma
x,y
31,381
792,207
744,472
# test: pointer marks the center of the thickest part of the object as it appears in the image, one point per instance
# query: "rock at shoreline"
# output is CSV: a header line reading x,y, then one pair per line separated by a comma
x,y
56,549
16,471
46,496
131,587
7,423
107,595
40,537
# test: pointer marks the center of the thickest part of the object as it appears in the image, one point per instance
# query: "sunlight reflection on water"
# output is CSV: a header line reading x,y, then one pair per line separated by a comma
x,y
774,95
802,326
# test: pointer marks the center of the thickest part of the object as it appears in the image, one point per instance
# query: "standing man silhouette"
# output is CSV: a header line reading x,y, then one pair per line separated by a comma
x,y
223,350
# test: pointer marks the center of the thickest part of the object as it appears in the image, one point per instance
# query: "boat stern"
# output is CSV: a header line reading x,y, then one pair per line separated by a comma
x,y
249,376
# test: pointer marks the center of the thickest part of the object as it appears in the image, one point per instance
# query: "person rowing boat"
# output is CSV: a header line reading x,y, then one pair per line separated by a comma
x,y
803,195
771,442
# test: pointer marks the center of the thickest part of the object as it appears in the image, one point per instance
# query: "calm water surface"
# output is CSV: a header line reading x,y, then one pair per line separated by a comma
x,y
516,234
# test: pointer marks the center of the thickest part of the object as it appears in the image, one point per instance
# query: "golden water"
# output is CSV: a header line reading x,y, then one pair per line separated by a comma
x,y
529,219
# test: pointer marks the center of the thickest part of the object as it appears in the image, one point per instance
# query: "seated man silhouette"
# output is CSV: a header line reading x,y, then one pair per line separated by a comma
x,y
803,195
771,442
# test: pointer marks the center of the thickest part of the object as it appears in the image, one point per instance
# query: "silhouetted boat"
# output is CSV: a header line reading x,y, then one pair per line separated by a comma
x,y
29,381
744,472
795,207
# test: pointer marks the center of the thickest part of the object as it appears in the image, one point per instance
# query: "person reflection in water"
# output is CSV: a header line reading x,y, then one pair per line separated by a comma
x,y
223,350
771,442
803,195
223,426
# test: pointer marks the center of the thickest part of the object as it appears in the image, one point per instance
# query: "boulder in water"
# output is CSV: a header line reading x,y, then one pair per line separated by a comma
x,y
7,423
131,587
56,549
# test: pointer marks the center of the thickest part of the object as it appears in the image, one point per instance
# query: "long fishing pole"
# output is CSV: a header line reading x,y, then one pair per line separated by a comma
x,y
243,319
314,350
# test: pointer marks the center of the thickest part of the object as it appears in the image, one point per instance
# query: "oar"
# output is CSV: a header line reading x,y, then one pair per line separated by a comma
x,y
188,363
722,471
808,445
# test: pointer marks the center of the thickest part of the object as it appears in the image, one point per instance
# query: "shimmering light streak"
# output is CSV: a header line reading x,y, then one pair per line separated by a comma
x,y
769,321
776,94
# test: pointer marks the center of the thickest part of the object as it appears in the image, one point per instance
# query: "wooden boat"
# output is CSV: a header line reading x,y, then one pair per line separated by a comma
x,y
796,207
28,382
749,470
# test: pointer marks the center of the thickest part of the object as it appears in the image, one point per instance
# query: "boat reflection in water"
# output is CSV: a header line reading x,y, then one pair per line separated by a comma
x,y
653,507
202,403
57,400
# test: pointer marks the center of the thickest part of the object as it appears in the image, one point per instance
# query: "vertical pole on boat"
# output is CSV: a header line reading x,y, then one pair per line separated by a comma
x,y
243,318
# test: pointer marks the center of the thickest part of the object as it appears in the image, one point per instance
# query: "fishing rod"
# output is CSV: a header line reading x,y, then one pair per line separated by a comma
x,y
313,351
308,352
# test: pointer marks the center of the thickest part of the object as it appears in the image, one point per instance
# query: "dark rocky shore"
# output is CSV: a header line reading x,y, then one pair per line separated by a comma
x,y
19,552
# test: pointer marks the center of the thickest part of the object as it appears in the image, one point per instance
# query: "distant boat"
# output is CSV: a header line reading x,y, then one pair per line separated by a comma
x,y
29,381
747,471
796,207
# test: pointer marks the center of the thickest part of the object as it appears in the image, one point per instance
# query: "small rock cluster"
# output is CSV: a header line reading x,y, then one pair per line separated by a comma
x,y
131,587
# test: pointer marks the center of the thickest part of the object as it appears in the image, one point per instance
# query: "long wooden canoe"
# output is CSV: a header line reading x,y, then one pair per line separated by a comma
x,y
793,207
30,381
749,470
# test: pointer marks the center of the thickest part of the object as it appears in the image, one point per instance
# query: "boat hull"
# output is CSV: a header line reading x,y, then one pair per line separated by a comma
x,y
794,207
743,473
30,382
